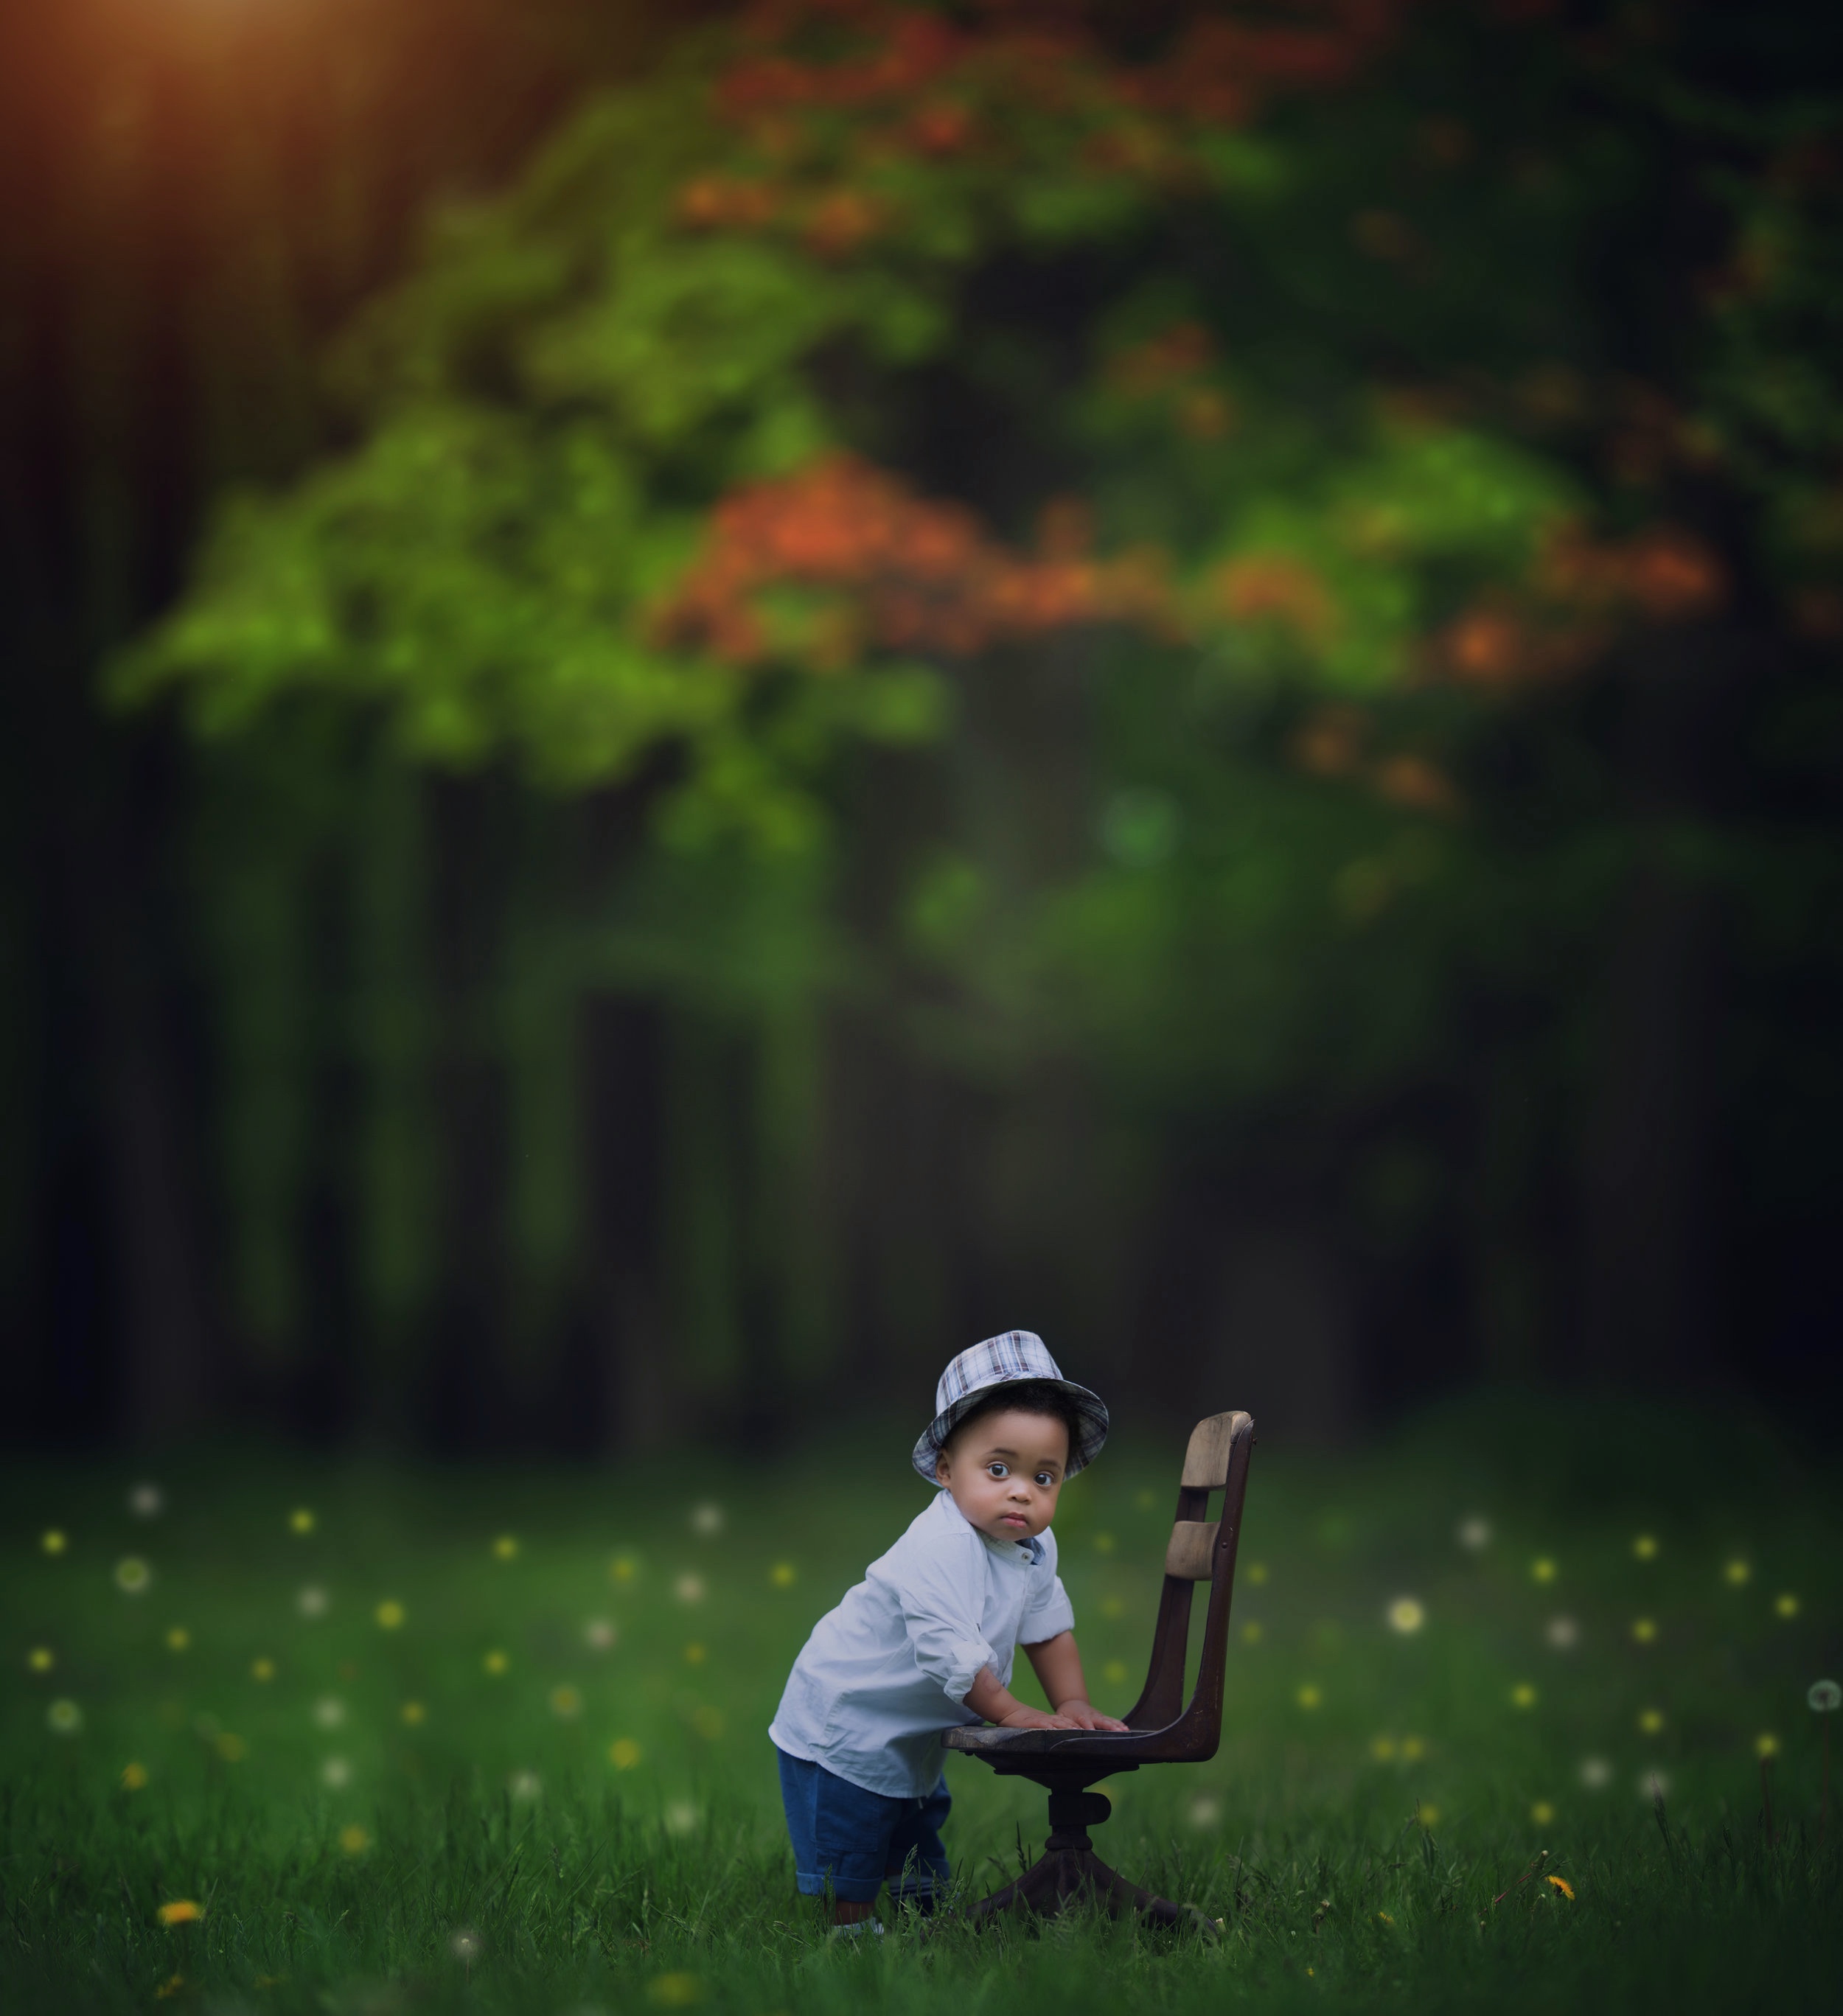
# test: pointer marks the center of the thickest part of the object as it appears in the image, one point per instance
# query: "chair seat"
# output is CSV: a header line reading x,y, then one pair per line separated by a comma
x,y
984,1738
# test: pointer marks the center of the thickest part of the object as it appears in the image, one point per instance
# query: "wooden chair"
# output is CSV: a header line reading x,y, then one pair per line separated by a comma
x,y
1160,1729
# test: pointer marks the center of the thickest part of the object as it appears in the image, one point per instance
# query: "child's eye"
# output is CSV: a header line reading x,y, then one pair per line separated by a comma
x,y
1045,1479
996,1469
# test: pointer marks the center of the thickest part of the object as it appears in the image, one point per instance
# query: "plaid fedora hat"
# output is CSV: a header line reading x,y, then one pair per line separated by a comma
x,y
1018,1356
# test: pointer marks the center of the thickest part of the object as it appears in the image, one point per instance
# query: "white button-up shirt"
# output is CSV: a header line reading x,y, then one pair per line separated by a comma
x,y
884,1674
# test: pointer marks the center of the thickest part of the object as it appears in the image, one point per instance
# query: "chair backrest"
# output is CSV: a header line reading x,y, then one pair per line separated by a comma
x,y
1200,1549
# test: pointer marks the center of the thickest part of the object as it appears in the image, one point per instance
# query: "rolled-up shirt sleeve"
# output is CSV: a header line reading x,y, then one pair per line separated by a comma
x,y
943,1627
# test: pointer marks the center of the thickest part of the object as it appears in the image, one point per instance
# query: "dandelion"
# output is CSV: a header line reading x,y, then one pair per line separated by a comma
x,y
1823,1697
389,1615
1563,1633
353,1840
495,1663
1475,1533
623,1568
1541,1813
707,1519
783,1574
1523,1695
1644,1630
1412,1749
689,1588
674,1990
1114,1672
1308,1696
694,1655
232,1749
1427,1816
1766,1744
63,1717
525,1785
1785,1604
1104,1543
1257,1573
566,1703
1406,1615
623,1753
1736,1572
1206,1809
1382,1748
301,1521
414,1714
132,1574
680,1816
133,1777
1111,1607
336,1774
1561,1884
1542,1568
1645,1547
178,1638
1251,1631
312,1601
505,1547
53,1540
41,1659
598,1635
1650,1720
181,1911
169,1988
262,1670
330,1712
1382,1918
708,1723
1654,1786
147,1501
1596,1774
465,1944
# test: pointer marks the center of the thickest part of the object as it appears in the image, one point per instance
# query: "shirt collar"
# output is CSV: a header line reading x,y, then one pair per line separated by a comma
x,y
1032,1548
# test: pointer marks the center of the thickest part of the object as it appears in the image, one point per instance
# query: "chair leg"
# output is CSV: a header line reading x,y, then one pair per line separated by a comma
x,y
1069,1872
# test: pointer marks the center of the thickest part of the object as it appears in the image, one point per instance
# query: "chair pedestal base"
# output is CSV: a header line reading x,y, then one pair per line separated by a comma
x,y
1069,1875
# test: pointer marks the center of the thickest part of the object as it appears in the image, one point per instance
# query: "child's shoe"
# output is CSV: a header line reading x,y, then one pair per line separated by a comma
x,y
872,1927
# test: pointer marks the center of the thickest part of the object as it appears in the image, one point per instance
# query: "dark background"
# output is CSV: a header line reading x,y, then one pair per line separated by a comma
x,y
1599,1147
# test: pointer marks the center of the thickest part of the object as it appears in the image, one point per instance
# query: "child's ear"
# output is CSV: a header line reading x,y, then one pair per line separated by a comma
x,y
941,1467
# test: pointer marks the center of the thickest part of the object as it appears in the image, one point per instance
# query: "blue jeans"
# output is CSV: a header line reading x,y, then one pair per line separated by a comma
x,y
849,1842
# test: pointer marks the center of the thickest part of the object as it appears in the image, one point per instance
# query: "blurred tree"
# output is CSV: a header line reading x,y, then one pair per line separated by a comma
x,y
1199,641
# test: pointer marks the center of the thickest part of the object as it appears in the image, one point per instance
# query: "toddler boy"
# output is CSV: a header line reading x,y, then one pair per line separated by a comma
x,y
925,1642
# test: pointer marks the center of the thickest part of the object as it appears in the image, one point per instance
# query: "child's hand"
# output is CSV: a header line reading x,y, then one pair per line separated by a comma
x,y
1034,1717
1080,1715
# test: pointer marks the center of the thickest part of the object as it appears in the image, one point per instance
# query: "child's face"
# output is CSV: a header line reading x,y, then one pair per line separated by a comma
x,y
1005,1470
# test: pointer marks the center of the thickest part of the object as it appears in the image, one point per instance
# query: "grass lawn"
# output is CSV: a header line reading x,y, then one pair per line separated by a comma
x,y
488,1740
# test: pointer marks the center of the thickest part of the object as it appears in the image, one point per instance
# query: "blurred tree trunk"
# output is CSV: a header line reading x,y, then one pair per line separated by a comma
x,y
1651,1248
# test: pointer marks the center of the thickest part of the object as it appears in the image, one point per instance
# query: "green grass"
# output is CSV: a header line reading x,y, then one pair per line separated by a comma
x,y
1375,1791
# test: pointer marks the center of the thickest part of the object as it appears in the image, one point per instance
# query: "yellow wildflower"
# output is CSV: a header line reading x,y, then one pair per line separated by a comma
x,y
1523,1695
169,1988
496,1662
1561,1884
181,1911
1542,1568
783,1574
178,1638
1785,1605
623,1753
506,1548
134,1776
41,1658
389,1615
674,1990
53,1541
1309,1696
413,1712
1650,1720
1644,1629
1645,1547
353,1840
694,1655
1766,1744
262,1670
1736,1571
232,1749
300,1519
1541,1813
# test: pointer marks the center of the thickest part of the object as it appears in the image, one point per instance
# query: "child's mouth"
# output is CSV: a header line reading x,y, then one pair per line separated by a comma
x,y
1015,1519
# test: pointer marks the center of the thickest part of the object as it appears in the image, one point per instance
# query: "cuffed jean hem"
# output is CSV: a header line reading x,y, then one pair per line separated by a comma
x,y
850,1842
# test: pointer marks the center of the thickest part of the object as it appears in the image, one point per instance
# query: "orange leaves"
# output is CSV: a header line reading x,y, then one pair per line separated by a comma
x,y
711,203
868,56
1581,593
1171,365
1275,587
879,568
1665,574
